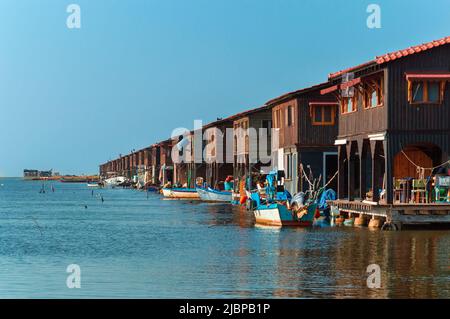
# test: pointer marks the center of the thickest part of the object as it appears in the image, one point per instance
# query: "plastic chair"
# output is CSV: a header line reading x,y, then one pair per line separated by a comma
x,y
419,191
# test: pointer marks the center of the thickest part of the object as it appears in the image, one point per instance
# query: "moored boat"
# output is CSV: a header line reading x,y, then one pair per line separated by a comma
x,y
180,193
275,209
279,215
115,181
212,195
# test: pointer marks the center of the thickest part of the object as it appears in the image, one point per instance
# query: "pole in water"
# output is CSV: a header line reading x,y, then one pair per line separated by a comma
x,y
102,198
92,193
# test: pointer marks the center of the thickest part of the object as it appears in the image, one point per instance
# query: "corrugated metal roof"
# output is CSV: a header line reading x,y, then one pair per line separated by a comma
x,y
389,57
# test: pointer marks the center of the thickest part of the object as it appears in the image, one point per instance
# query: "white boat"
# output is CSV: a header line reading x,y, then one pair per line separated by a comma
x,y
279,215
115,181
93,185
212,195
180,193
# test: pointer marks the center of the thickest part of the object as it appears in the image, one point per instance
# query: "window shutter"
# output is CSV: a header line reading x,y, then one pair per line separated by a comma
x,y
441,98
410,91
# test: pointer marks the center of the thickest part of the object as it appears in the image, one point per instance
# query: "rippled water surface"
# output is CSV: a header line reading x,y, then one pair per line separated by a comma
x,y
135,245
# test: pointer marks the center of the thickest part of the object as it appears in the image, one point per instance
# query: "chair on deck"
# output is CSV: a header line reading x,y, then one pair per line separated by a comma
x,y
419,192
442,189
400,190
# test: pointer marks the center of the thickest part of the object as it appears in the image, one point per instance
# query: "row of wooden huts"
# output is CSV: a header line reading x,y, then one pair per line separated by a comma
x,y
383,120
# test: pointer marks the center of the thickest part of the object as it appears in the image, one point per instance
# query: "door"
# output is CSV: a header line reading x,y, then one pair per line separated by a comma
x,y
330,167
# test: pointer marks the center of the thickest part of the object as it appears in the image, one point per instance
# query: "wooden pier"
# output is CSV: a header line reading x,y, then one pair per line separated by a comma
x,y
396,215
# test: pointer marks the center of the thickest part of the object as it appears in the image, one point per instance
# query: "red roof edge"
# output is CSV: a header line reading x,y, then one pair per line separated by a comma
x,y
389,57
297,92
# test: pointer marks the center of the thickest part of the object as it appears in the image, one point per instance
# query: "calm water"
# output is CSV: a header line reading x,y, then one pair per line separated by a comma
x,y
134,246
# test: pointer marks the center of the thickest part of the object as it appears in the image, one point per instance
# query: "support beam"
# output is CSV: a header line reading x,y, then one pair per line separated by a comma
x,y
350,172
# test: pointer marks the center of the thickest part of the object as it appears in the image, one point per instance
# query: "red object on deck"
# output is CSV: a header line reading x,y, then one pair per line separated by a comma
x,y
243,200
317,215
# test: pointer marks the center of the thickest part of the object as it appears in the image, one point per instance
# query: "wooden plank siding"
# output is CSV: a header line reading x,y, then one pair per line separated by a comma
x,y
288,135
310,135
402,115
364,121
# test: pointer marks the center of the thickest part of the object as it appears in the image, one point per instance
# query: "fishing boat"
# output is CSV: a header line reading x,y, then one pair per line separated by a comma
x,y
275,209
115,181
212,195
180,193
277,214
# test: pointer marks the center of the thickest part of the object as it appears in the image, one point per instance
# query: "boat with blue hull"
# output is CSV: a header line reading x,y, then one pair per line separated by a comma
x,y
279,215
276,209
180,193
212,195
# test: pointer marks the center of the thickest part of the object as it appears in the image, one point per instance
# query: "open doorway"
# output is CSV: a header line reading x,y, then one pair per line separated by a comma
x,y
330,168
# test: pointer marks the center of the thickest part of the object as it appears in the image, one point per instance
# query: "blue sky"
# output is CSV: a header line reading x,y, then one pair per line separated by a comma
x,y
71,99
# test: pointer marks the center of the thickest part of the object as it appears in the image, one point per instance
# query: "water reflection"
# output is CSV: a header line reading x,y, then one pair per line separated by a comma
x,y
332,262
137,246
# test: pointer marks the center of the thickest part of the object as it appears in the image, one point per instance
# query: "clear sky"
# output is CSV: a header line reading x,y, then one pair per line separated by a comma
x,y
71,99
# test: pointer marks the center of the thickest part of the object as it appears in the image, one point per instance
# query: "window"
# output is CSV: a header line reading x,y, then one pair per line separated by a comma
x,y
349,104
267,125
247,144
323,114
289,115
427,91
373,93
418,92
288,164
277,119
213,149
433,92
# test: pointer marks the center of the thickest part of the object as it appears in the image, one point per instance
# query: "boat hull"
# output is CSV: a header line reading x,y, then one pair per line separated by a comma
x,y
114,181
211,195
180,193
279,215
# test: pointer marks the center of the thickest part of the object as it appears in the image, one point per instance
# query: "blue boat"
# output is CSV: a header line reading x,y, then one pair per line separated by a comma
x,y
275,208
212,195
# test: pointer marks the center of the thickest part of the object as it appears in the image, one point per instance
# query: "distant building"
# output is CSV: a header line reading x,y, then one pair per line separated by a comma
x,y
30,173
33,173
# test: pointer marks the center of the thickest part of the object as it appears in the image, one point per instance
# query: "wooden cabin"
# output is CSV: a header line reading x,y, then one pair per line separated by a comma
x,y
165,173
143,166
394,126
155,162
181,158
217,158
305,128
188,162
252,141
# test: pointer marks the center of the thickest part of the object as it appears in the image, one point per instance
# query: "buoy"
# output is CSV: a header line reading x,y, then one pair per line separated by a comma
x,y
339,220
360,221
374,223
243,200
